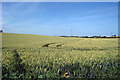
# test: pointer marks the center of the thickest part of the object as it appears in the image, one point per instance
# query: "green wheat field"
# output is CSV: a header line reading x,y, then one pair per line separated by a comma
x,y
37,56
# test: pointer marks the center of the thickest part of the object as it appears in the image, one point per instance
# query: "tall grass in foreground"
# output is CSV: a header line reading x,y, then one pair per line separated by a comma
x,y
73,58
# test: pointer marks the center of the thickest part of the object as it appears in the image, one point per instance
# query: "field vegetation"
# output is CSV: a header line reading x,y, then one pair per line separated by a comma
x,y
36,56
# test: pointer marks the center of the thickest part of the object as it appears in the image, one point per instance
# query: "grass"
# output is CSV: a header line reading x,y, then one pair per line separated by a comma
x,y
80,57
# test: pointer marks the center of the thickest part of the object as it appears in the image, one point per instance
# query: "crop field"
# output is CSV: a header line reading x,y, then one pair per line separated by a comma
x,y
36,56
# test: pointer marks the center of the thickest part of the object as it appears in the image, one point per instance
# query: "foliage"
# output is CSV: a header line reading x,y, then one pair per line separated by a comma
x,y
16,68
80,57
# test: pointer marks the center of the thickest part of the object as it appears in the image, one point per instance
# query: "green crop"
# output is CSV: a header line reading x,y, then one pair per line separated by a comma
x,y
55,57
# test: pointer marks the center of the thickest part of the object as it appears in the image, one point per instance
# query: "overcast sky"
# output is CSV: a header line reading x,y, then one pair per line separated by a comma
x,y
61,18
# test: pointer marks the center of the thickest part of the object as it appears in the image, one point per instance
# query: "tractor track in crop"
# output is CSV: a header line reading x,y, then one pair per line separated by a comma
x,y
56,44
47,45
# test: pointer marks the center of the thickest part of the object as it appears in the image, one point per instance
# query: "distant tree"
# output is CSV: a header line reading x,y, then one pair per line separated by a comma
x,y
104,37
1,31
114,36
84,36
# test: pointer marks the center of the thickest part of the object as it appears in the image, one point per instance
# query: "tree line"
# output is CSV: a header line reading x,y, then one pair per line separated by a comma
x,y
112,36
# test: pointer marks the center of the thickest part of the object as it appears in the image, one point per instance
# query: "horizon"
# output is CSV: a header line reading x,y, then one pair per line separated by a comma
x,y
61,18
65,35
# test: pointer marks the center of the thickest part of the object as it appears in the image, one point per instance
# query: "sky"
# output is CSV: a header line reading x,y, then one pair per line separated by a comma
x,y
60,18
